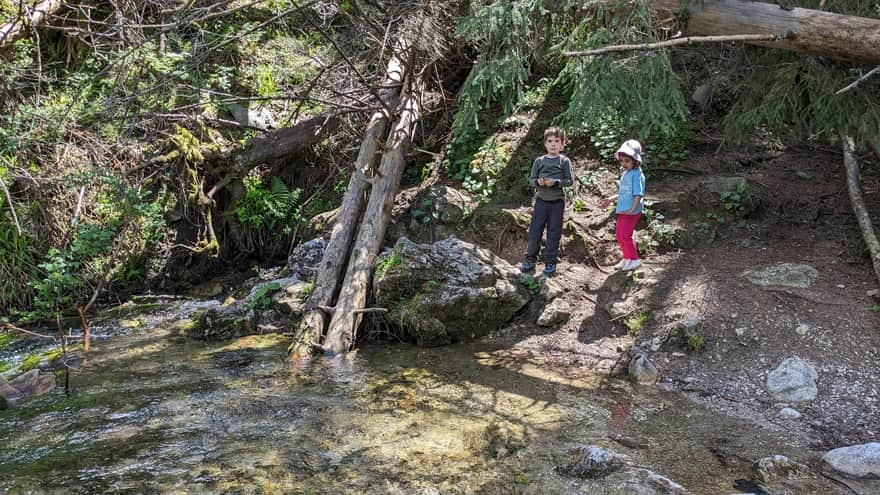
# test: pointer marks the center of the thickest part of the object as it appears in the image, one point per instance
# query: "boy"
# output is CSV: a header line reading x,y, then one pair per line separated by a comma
x,y
550,173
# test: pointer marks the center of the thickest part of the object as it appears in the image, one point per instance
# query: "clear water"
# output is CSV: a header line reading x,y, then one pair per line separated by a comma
x,y
154,412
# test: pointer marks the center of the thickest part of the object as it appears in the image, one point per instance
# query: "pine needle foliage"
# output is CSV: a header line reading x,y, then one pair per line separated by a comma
x,y
643,88
794,98
502,34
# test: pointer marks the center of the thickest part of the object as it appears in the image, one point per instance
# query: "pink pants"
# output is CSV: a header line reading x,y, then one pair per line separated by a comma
x,y
626,224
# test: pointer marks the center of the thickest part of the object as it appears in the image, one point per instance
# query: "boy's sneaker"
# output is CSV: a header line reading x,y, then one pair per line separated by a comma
x,y
527,266
621,264
550,269
632,265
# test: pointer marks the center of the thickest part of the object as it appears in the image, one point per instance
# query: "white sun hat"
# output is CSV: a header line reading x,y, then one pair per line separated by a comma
x,y
630,148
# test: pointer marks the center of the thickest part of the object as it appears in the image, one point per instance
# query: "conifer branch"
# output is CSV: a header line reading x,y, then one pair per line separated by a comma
x,y
681,41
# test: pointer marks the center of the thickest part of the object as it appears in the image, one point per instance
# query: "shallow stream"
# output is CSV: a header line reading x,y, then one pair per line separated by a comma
x,y
152,411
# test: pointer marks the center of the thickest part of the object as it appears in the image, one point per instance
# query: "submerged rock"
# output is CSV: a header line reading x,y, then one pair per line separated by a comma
x,y
794,380
447,291
858,461
27,384
590,461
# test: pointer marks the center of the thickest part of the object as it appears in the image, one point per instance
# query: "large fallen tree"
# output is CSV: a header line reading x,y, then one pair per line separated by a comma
x,y
812,31
329,275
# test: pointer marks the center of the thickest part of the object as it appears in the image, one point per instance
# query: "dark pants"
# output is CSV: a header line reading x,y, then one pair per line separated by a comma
x,y
547,213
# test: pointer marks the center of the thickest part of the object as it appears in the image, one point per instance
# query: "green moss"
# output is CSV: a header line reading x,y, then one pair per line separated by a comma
x,y
34,359
6,339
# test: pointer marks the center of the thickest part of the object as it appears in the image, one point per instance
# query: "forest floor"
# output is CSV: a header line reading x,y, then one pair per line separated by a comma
x,y
804,217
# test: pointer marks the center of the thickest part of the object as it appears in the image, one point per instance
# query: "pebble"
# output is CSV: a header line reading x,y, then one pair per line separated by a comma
x,y
789,413
740,331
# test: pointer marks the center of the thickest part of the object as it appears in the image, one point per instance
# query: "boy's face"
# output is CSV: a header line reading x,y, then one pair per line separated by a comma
x,y
625,161
553,145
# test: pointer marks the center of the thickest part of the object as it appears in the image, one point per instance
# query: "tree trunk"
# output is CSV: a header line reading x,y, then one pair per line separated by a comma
x,y
816,32
330,271
282,142
33,16
371,235
855,196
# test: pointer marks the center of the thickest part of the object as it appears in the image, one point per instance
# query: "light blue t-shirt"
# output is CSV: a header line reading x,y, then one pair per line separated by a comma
x,y
632,183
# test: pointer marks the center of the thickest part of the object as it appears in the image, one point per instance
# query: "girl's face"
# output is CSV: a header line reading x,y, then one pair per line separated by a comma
x,y
625,161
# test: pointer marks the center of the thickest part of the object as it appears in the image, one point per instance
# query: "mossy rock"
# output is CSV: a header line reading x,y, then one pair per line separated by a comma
x,y
447,291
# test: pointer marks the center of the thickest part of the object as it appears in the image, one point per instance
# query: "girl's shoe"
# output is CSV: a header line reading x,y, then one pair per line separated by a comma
x,y
632,265
527,266
621,264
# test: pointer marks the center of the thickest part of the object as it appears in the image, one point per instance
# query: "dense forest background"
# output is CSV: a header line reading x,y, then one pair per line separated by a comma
x,y
148,143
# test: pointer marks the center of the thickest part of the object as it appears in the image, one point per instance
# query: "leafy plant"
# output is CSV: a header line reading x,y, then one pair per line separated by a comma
x,y
658,234
579,205
262,297
875,308
530,283
635,322
387,263
488,162
590,180
696,342
307,290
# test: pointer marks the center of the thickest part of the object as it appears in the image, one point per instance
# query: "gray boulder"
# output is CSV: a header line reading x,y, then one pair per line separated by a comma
x,y
447,291
793,381
557,312
305,258
251,315
784,274
446,205
642,370
857,461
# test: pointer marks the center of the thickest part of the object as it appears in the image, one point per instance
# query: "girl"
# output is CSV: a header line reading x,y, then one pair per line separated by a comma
x,y
629,202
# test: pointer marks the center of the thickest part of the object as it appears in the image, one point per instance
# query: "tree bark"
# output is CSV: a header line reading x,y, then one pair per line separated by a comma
x,y
371,235
328,278
33,16
855,196
283,142
814,31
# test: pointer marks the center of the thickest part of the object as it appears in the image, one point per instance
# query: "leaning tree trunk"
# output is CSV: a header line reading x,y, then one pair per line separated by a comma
x,y
32,16
347,312
855,196
814,31
330,271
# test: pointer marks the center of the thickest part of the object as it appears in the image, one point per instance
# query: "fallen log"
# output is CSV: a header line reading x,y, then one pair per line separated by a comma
x,y
283,142
330,271
371,234
28,18
813,31
858,204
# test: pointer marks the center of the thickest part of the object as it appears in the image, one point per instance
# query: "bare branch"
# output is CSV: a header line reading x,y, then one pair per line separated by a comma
x,y
681,41
11,205
859,80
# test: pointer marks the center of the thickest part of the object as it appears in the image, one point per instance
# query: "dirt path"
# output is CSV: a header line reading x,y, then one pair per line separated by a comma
x,y
747,330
